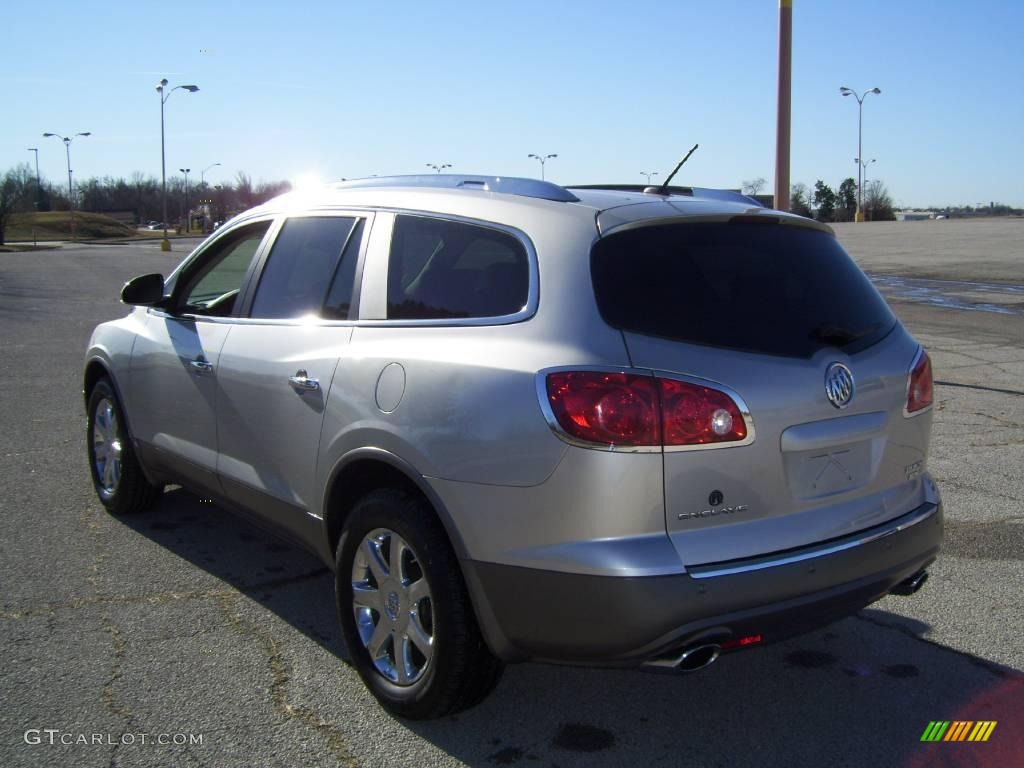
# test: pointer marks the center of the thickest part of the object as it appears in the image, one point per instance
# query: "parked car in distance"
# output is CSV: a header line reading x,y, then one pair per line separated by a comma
x,y
597,426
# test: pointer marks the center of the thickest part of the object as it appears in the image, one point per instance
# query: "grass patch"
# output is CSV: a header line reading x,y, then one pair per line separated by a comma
x,y
56,225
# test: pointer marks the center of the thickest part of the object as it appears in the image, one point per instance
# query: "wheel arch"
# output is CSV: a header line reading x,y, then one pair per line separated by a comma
x,y
365,469
95,369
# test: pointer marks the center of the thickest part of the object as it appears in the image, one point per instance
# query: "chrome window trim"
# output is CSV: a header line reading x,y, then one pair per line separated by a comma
x,y
540,384
906,395
533,289
900,524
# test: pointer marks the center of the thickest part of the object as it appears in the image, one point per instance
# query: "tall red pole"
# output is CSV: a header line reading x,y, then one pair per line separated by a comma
x,y
785,103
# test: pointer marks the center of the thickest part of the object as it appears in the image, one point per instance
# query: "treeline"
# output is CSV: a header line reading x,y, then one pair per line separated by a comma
x,y
140,195
825,204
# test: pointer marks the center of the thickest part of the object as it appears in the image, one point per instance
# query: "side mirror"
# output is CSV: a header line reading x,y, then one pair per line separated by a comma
x,y
146,290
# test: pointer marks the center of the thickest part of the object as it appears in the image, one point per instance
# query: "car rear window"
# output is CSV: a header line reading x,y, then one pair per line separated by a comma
x,y
765,288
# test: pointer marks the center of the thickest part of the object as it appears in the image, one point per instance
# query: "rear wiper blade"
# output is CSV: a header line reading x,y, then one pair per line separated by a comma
x,y
839,334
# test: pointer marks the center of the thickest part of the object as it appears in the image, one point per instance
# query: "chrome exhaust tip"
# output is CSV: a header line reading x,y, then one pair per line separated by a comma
x,y
690,659
912,584
698,657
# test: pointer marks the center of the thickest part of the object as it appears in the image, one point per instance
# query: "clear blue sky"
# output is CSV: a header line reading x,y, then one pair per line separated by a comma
x,y
344,89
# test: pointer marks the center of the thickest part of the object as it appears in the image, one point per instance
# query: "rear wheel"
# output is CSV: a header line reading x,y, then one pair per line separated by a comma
x,y
116,474
405,612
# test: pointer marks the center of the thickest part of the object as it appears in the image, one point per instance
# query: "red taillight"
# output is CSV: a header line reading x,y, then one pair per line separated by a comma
x,y
623,409
920,389
741,642
696,415
606,408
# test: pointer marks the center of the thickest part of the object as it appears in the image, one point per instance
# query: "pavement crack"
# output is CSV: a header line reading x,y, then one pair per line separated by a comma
x,y
281,673
107,695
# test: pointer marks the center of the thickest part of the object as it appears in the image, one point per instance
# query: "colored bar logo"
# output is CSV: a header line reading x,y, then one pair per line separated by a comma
x,y
958,730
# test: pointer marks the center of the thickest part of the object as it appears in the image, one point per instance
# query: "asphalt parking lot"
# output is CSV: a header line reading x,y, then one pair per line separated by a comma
x,y
188,621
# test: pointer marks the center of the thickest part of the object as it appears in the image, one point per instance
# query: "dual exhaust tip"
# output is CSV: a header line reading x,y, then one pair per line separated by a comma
x,y
693,658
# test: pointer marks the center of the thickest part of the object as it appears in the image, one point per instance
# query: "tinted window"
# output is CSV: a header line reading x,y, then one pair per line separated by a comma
x,y
300,267
213,288
339,297
775,289
446,269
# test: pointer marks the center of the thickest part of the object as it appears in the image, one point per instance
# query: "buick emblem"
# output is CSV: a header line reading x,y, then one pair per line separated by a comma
x,y
839,385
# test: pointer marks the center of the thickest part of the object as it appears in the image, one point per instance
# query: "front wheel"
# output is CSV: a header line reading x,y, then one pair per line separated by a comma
x,y
116,474
405,613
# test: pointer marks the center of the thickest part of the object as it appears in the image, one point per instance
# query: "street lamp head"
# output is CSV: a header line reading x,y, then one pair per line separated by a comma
x,y
32,149
163,83
552,155
87,133
191,88
844,90
534,156
876,90
49,134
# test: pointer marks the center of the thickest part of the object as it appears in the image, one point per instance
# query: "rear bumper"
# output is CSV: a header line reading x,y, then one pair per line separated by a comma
x,y
528,613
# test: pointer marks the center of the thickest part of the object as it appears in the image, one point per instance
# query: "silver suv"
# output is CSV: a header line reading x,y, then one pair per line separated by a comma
x,y
602,426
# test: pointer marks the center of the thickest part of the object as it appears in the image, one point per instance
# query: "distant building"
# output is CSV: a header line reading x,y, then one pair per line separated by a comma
x,y
914,215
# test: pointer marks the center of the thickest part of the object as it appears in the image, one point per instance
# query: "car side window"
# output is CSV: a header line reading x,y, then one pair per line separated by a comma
x,y
213,288
302,263
447,269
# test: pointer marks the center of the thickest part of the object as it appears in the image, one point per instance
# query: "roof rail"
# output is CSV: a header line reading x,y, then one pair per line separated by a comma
x,y
506,185
729,195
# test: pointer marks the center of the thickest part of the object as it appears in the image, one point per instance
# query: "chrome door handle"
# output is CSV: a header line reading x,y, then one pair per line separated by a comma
x,y
301,381
201,365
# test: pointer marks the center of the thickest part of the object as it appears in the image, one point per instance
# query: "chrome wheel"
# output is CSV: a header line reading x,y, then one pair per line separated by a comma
x,y
106,447
393,606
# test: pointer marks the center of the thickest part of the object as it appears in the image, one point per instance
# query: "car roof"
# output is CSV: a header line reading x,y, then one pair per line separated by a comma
x,y
611,205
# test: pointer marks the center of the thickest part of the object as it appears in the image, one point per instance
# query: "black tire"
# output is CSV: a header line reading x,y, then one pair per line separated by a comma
x,y
131,492
462,671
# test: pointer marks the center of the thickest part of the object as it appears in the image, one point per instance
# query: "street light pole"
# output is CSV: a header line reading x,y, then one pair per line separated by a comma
x,y
864,165
648,175
67,151
188,218
202,174
440,167
202,187
542,159
165,244
860,147
39,195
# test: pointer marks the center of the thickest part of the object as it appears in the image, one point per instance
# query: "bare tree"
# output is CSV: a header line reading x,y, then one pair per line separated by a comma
x,y
754,186
877,202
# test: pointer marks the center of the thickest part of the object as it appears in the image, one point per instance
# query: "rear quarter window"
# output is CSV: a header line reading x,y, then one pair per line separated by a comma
x,y
773,289
447,269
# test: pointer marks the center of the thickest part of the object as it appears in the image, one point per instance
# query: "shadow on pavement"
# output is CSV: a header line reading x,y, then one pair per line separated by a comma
x,y
859,692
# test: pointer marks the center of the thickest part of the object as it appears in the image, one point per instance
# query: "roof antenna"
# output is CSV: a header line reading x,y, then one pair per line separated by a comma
x,y
662,189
